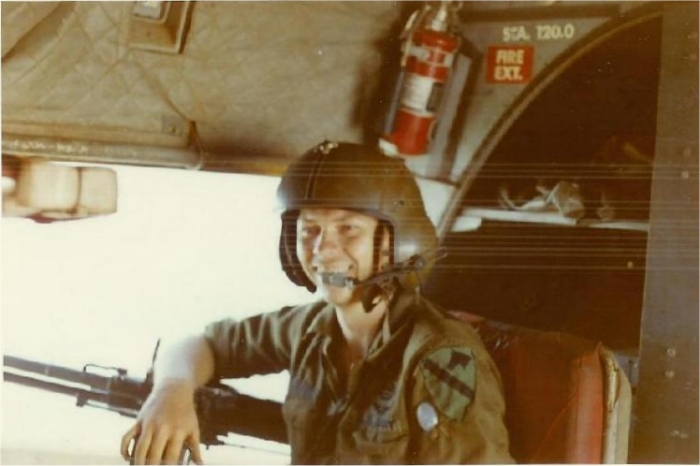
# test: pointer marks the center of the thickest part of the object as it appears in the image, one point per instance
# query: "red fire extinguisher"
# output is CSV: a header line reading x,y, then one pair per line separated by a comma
x,y
428,54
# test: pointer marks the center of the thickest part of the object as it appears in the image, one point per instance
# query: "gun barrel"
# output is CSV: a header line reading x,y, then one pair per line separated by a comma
x,y
42,384
116,392
57,372
220,408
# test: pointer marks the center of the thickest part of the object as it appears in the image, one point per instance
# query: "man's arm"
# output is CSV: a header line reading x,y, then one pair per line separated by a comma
x,y
168,420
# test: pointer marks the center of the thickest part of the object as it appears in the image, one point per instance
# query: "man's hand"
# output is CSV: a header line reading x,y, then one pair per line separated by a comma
x,y
166,425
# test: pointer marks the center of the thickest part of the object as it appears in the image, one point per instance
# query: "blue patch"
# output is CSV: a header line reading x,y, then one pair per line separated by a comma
x,y
299,388
381,412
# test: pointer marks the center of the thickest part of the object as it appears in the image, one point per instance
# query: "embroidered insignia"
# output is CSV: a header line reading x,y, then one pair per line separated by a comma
x,y
379,414
450,377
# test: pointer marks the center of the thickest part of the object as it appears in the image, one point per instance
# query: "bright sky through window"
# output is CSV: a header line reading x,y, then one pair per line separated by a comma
x,y
184,248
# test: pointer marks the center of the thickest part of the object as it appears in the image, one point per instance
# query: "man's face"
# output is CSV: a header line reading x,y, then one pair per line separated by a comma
x,y
336,241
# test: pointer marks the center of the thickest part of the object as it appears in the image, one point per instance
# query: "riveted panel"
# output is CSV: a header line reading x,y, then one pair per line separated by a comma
x,y
666,412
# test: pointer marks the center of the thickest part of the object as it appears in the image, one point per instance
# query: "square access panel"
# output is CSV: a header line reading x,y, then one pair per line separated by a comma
x,y
159,26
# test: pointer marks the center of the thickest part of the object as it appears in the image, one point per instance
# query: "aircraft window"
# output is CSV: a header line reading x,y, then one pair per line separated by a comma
x,y
580,154
183,249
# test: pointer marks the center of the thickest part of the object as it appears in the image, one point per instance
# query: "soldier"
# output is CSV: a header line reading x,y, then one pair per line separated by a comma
x,y
377,373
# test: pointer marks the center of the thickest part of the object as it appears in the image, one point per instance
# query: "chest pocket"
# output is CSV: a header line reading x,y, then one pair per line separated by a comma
x,y
382,435
380,445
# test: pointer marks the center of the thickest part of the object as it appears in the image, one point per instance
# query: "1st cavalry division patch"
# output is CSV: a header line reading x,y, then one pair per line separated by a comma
x,y
450,377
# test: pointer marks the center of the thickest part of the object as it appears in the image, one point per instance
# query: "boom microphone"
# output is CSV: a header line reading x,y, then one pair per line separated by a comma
x,y
413,264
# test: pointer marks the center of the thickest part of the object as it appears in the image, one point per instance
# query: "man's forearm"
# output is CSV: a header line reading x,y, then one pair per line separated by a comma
x,y
188,361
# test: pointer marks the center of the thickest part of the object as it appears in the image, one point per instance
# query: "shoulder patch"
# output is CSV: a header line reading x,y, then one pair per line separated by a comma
x,y
450,377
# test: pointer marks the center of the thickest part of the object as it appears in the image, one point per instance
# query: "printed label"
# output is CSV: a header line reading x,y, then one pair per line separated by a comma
x,y
509,64
555,31
539,32
417,91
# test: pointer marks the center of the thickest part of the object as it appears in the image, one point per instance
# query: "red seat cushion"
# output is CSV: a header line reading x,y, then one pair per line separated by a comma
x,y
554,389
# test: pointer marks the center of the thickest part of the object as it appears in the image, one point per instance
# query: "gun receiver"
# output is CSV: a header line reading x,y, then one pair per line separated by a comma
x,y
220,408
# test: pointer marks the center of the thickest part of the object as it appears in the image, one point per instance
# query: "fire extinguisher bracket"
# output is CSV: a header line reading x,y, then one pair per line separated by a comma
x,y
429,56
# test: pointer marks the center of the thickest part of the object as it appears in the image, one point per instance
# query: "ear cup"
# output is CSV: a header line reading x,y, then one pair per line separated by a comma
x,y
288,254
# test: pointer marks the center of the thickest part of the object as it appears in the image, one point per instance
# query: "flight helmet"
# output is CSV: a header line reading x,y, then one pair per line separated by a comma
x,y
360,178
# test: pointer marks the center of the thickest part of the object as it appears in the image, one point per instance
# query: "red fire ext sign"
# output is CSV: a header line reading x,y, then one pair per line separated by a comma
x,y
509,64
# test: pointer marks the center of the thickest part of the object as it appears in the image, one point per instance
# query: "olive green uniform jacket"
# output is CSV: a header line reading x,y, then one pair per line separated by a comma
x,y
427,392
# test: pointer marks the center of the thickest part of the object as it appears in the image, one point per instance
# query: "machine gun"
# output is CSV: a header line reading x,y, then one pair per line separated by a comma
x,y
220,408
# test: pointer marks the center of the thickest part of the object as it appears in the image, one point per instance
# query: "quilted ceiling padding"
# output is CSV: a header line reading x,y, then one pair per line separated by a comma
x,y
253,78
